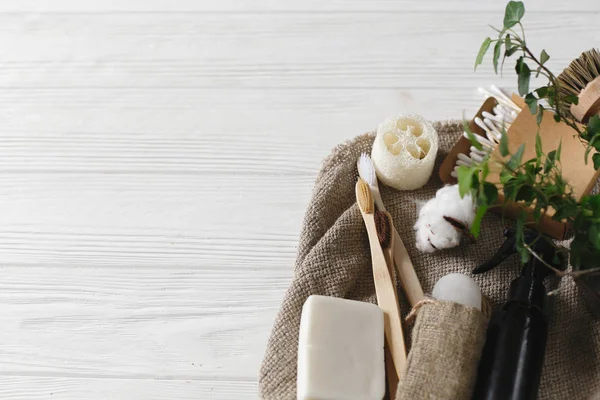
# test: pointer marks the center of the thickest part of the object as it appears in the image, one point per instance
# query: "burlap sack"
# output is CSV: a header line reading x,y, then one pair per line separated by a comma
x,y
448,339
334,260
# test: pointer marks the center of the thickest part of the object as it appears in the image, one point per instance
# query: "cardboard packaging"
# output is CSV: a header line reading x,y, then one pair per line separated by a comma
x,y
577,173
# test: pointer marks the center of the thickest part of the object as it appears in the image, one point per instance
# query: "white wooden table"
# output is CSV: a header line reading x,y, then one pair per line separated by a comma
x,y
156,158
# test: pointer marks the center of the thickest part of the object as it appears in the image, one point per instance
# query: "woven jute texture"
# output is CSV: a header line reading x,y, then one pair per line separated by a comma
x,y
334,260
447,342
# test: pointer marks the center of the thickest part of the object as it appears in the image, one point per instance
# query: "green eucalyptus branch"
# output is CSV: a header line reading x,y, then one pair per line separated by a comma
x,y
559,104
536,184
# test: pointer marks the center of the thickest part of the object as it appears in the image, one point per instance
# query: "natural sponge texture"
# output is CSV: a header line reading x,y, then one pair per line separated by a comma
x,y
404,151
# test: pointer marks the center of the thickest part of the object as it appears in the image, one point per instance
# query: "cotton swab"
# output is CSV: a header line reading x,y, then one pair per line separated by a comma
x,y
494,124
483,141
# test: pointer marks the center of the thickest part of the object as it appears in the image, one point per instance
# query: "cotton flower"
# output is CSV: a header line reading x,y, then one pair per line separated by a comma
x,y
441,219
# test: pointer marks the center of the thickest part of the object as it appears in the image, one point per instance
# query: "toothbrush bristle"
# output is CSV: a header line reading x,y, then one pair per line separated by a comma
x,y
366,169
364,197
384,228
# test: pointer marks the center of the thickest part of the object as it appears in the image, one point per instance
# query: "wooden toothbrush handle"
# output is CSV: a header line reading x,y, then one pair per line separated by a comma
x,y
392,377
387,301
389,259
406,271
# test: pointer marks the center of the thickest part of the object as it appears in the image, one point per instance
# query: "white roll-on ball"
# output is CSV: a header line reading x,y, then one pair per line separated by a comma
x,y
458,288
404,151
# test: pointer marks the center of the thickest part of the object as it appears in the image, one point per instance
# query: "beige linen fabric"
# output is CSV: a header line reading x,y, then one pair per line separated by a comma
x,y
447,342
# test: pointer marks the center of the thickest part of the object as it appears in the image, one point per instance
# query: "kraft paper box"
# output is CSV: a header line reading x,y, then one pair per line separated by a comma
x,y
577,173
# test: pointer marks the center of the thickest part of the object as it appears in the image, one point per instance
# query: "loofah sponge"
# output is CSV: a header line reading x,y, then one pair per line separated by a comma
x,y
404,152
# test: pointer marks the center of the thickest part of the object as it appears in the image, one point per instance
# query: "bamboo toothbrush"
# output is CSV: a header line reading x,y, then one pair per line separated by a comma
x,y
383,224
384,287
404,267
582,79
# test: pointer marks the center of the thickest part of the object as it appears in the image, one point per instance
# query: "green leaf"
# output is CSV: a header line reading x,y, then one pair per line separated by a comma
x,y
510,189
525,255
485,170
507,41
540,115
500,32
513,13
557,117
592,144
559,150
549,163
524,74
594,202
465,179
593,126
567,210
520,236
531,101
490,192
596,159
544,57
538,145
475,181
471,135
542,92
530,168
503,146
525,194
510,51
476,225
505,176
497,55
594,235
571,99
482,50
515,159
538,71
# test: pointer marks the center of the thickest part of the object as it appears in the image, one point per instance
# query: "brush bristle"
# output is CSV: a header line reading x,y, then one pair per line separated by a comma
x,y
384,228
364,197
579,73
366,169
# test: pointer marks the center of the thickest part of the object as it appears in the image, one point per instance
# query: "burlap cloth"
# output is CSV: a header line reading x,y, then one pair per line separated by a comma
x,y
448,340
334,260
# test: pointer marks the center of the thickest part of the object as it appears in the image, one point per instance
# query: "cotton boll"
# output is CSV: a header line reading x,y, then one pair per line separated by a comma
x,y
433,231
450,203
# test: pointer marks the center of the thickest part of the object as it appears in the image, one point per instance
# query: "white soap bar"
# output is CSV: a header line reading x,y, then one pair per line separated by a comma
x,y
340,351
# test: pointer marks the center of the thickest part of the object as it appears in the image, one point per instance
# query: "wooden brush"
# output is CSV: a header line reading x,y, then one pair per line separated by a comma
x,y
384,287
404,267
383,224
392,379
582,79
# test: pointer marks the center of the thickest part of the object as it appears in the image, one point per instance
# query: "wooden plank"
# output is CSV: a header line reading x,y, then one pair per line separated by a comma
x,y
243,51
157,158
430,6
311,121
137,323
172,221
69,388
